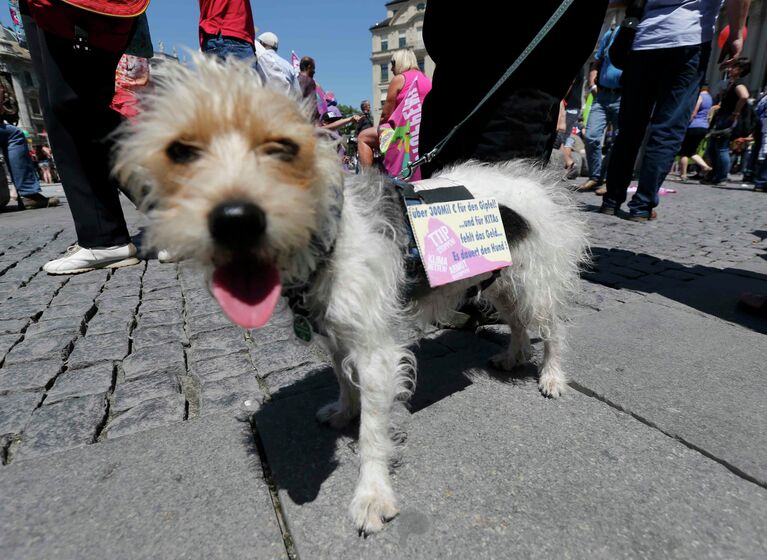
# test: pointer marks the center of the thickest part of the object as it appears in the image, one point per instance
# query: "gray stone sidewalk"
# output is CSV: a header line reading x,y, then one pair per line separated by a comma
x,y
137,422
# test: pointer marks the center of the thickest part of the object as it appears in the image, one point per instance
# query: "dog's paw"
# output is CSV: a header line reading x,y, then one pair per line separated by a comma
x,y
335,415
552,385
505,361
373,506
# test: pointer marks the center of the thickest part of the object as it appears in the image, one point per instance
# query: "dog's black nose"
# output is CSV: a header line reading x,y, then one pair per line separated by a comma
x,y
236,224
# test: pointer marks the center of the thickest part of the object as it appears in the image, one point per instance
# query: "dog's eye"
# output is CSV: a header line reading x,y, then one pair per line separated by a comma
x,y
179,152
283,149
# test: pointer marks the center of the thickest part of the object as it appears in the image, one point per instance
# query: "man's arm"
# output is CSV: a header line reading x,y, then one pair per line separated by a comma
x,y
737,12
597,64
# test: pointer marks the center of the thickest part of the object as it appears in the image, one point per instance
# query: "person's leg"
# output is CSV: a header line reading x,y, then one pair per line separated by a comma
x,y
76,90
640,89
700,162
681,71
521,124
595,132
20,165
720,152
683,161
760,176
612,112
366,141
5,191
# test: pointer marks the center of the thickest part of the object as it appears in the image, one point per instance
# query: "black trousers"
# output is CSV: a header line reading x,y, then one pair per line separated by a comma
x,y
76,90
520,120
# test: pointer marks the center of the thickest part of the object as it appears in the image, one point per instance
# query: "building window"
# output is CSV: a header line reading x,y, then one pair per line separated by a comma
x,y
384,72
34,106
421,65
402,41
384,44
421,6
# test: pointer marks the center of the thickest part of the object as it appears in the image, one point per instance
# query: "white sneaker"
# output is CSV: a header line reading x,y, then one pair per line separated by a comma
x,y
79,259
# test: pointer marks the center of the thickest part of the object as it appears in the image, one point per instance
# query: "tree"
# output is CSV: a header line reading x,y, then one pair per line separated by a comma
x,y
348,111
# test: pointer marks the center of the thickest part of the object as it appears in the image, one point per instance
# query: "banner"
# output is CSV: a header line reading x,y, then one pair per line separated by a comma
x,y
18,28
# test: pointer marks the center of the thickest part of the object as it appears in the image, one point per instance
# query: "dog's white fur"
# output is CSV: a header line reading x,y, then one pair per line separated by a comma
x,y
356,297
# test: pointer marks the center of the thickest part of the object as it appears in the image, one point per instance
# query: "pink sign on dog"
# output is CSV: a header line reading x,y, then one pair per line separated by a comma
x,y
459,239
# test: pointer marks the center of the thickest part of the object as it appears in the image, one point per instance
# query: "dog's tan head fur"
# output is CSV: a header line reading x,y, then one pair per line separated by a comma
x,y
214,134
237,178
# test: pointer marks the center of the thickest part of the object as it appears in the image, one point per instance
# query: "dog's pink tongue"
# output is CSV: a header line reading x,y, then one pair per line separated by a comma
x,y
248,297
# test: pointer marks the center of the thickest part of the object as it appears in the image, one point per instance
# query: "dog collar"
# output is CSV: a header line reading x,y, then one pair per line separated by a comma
x,y
322,244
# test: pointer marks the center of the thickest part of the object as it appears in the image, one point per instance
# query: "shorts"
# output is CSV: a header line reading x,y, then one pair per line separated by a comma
x,y
566,139
692,140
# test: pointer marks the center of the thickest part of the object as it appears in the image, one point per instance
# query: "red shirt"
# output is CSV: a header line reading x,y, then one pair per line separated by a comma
x,y
230,18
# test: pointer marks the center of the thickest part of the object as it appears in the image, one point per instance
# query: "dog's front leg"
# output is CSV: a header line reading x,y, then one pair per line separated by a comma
x,y
374,501
339,413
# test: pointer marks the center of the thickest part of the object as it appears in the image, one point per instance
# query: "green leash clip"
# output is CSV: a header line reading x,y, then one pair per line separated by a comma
x,y
302,328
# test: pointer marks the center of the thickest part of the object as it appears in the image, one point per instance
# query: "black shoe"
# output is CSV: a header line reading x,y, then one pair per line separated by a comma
x,y
608,210
643,217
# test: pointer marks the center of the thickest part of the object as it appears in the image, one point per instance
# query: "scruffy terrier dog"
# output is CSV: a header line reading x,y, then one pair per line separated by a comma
x,y
243,183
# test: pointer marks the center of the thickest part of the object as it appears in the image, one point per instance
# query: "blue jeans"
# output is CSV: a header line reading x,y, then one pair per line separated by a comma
x,y
16,155
604,111
720,153
660,90
760,178
223,47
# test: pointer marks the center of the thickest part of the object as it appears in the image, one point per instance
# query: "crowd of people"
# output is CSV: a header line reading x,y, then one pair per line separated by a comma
x,y
650,101
724,133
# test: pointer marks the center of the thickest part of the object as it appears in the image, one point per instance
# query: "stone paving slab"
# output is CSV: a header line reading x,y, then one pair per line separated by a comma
x,y
494,470
717,294
694,377
708,245
189,491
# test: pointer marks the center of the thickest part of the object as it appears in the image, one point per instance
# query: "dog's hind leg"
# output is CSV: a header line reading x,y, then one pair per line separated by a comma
x,y
552,381
338,414
380,372
519,350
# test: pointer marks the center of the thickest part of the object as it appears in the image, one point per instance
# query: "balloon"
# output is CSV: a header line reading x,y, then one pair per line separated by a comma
x,y
725,33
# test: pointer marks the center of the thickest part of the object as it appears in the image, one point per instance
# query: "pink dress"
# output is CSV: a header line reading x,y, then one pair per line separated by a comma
x,y
400,136
423,84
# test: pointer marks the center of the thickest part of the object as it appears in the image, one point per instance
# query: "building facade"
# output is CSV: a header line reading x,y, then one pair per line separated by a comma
x,y
16,65
402,29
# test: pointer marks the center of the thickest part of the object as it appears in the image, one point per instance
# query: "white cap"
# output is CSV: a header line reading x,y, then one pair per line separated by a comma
x,y
269,39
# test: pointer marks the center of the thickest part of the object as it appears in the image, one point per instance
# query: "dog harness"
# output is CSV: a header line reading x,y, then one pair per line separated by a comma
x,y
416,284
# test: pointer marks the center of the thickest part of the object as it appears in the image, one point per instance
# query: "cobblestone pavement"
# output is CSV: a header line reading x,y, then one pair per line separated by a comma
x,y
95,357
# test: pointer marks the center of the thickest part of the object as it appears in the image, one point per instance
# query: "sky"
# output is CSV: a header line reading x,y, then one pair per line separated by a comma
x,y
333,32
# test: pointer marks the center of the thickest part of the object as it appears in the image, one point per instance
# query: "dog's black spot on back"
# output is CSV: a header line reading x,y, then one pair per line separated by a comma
x,y
517,228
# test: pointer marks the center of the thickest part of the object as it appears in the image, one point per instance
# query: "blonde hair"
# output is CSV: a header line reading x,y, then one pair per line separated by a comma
x,y
404,60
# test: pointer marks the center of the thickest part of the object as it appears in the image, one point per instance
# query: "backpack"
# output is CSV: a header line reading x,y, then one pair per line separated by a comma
x,y
103,24
9,105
